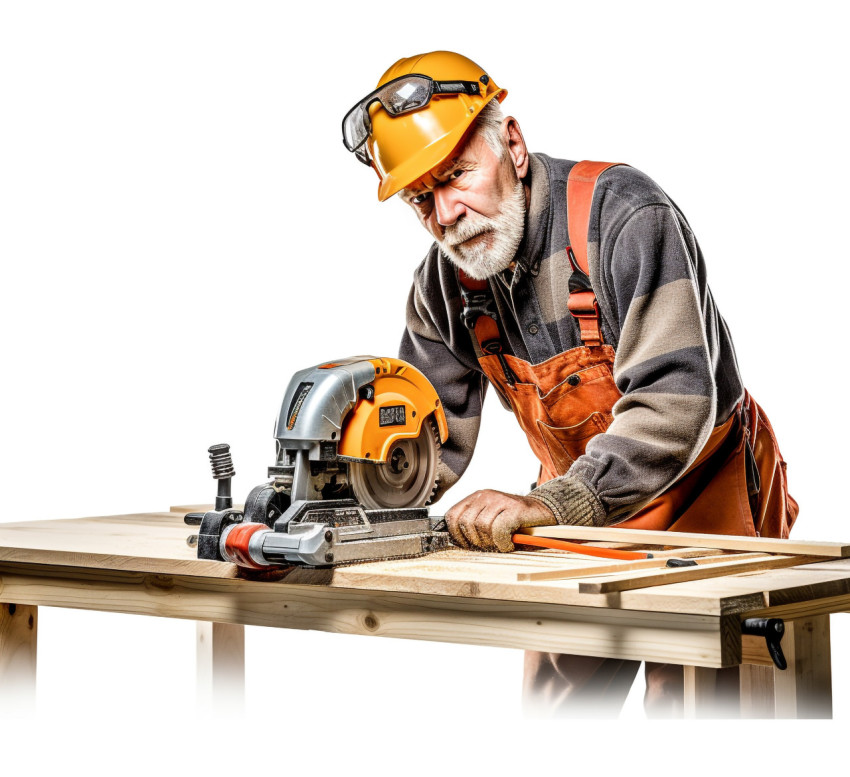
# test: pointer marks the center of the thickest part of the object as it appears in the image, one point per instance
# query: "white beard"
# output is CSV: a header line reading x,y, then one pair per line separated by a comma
x,y
491,254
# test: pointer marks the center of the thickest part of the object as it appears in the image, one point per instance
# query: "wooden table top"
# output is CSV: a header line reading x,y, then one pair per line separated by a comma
x,y
155,543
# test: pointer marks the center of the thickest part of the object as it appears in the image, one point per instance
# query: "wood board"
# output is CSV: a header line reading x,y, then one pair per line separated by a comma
x,y
154,543
656,577
614,633
724,542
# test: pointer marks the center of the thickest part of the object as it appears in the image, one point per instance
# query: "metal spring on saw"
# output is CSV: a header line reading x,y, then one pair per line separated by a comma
x,y
221,461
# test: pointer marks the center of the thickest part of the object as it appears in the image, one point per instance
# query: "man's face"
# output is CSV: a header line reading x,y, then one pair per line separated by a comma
x,y
474,206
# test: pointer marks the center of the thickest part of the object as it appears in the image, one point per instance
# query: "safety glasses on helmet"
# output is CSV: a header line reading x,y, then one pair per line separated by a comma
x,y
401,95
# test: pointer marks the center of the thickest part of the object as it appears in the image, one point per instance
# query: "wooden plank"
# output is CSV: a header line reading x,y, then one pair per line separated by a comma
x,y
700,682
438,576
158,540
805,608
610,633
757,696
658,562
149,542
18,638
652,578
754,650
221,666
816,589
712,693
804,690
724,542
820,588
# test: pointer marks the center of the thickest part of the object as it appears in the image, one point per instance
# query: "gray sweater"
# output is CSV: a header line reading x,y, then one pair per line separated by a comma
x,y
675,363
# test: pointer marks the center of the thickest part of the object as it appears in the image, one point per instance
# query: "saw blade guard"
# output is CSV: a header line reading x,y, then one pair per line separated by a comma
x,y
399,401
360,405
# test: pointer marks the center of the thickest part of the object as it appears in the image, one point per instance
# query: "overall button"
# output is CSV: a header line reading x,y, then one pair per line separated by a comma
x,y
533,329
574,380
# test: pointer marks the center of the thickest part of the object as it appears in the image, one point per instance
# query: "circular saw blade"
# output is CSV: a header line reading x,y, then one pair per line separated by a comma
x,y
408,479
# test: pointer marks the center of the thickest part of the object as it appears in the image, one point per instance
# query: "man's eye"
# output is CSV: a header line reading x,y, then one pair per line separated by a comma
x,y
457,174
420,198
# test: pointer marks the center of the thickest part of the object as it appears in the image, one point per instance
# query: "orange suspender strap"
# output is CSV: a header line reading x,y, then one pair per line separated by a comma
x,y
581,185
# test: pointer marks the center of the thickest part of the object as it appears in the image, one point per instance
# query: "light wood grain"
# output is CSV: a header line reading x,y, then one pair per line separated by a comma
x,y
18,643
724,542
700,683
754,650
650,578
805,608
804,690
147,542
155,543
658,561
612,633
757,691
221,666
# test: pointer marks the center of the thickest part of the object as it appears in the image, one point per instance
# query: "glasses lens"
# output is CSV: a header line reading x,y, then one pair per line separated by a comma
x,y
406,95
354,130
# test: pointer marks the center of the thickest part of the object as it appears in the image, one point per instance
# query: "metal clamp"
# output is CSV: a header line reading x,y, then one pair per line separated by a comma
x,y
772,630
475,304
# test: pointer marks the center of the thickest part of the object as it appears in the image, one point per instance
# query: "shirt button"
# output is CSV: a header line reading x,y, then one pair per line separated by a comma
x,y
533,329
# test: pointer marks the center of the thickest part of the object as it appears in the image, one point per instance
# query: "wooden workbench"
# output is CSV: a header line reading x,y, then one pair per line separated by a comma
x,y
142,564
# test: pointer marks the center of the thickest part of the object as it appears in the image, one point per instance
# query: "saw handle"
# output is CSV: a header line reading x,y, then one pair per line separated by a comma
x,y
575,547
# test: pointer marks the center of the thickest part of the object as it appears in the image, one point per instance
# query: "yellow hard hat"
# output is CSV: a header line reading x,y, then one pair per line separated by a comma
x,y
417,116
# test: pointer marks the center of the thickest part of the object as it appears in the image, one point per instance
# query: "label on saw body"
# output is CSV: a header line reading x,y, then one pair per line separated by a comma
x,y
392,415
336,518
297,401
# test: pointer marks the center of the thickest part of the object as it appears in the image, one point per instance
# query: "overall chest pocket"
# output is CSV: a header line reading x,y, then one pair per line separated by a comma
x,y
580,396
566,443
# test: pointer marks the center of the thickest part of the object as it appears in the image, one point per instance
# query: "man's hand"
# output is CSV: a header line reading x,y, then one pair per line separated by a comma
x,y
487,519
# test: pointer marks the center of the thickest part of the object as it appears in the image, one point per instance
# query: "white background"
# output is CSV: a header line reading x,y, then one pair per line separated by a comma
x,y
181,229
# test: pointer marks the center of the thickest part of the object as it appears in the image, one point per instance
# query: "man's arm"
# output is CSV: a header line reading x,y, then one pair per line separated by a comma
x,y
663,367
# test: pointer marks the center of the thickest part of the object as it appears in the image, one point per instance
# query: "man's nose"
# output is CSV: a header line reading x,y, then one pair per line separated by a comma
x,y
447,206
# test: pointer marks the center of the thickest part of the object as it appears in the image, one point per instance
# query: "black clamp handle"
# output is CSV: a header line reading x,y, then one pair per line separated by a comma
x,y
772,630
475,304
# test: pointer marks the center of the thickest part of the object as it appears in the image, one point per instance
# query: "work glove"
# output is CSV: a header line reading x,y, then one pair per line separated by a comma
x,y
487,519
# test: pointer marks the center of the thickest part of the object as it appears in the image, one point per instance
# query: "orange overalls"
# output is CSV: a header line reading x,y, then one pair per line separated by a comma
x,y
737,484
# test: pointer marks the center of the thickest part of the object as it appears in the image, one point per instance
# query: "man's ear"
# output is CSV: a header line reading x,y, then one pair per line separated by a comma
x,y
512,135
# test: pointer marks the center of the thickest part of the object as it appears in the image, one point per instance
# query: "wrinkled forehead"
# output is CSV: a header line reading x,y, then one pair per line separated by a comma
x,y
466,155
437,173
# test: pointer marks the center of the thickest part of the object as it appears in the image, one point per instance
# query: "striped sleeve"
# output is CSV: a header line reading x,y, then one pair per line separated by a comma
x,y
435,343
663,368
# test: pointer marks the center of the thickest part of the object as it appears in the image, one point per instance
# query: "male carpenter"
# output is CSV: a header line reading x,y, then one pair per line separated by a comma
x,y
591,316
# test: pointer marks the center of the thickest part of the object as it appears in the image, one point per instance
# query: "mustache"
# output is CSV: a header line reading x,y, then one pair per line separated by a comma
x,y
464,229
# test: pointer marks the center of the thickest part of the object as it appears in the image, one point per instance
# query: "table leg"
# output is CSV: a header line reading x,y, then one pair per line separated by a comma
x,y
18,636
221,666
711,693
804,690
758,699
699,690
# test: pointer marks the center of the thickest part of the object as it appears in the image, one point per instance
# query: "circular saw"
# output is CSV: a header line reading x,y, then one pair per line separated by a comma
x,y
358,446
408,477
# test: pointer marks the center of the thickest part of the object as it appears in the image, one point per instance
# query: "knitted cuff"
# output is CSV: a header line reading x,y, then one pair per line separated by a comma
x,y
572,502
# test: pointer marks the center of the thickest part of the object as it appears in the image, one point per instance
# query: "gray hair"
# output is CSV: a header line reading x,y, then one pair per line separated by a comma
x,y
489,124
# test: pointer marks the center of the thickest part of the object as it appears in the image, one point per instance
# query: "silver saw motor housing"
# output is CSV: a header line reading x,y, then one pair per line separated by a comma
x,y
358,444
315,458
